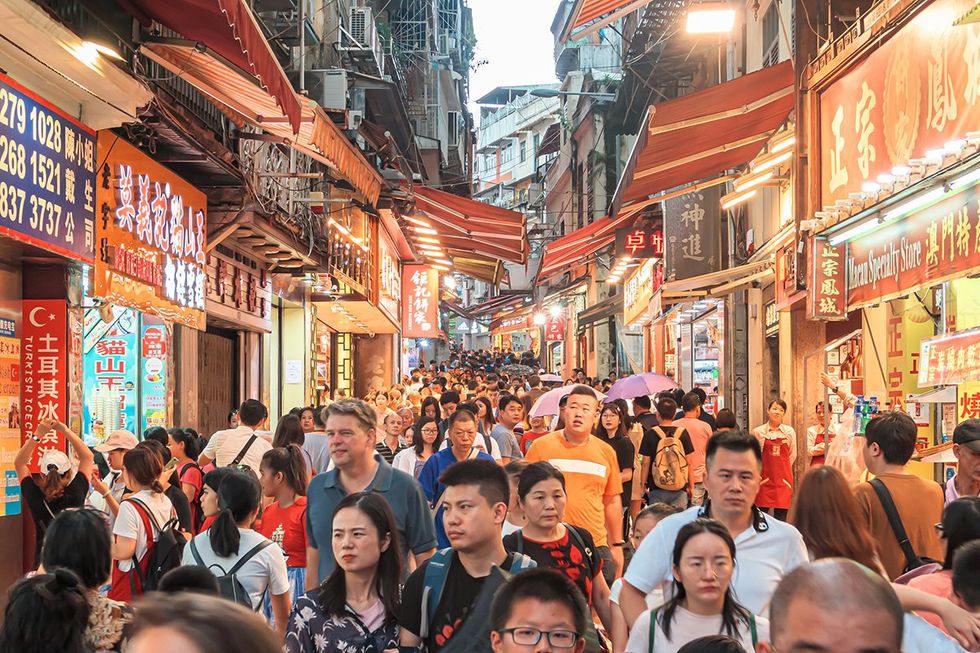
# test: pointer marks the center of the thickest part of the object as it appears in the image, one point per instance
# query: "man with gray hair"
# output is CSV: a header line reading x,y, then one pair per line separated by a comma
x,y
351,430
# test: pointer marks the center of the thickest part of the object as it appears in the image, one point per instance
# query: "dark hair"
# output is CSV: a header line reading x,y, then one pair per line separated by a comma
x,y
79,540
213,626
469,407
189,578
232,413
690,401
581,390
666,407
712,644
516,467
431,401
417,441
621,430
894,432
488,418
776,402
461,415
161,450
448,397
192,443
290,462
643,401
731,611
658,509
156,433
214,478
46,612
961,524
702,395
288,431
332,596
252,412
966,580
319,416
534,474
544,585
737,441
239,496
488,476
504,400
144,466
725,419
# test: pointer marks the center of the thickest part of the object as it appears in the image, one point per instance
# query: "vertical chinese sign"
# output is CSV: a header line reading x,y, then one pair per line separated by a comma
x,y
44,366
554,329
827,299
150,235
153,373
692,225
10,416
111,369
420,302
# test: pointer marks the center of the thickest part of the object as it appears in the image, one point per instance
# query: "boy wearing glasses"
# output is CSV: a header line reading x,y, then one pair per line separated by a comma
x,y
538,610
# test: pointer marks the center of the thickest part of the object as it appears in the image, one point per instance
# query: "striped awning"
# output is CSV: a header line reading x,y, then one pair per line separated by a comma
x,y
573,248
591,15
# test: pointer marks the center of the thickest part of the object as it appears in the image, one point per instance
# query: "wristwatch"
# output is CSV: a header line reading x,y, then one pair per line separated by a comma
x,y
35,438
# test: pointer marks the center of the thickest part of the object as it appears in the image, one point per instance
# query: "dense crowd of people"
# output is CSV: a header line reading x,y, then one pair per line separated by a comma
x,y
477,507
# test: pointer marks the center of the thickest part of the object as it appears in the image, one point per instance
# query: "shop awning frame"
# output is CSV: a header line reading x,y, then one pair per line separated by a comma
x,y
717,284
453,307
588,16
498,303
607,308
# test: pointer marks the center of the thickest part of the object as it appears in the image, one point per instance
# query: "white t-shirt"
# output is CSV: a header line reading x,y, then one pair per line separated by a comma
x,y
655,597
762,558
919,636
224,446
266,569
129,523
687,626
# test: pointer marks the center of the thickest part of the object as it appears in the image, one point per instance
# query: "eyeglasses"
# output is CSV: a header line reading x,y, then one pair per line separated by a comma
x,y
531,636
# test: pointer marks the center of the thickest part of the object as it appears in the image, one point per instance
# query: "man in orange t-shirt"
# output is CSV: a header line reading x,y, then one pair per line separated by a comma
x,y
592,478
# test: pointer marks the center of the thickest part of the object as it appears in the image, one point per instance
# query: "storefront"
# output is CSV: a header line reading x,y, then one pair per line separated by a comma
x,y
516,333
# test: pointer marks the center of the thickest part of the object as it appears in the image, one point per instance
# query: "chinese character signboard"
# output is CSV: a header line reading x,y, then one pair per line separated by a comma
x,y
111,361
389,280
47,175
150,236
644,239
772,319
949,359
420,302
692,226
44,369
918,90
10,422
826,299
908,324
554,329
239,291
638,291
153,375
511,324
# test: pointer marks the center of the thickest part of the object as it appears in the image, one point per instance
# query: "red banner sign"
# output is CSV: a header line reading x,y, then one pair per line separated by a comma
x,y
420,302
44,364
827,299
950,359
554,329
914,93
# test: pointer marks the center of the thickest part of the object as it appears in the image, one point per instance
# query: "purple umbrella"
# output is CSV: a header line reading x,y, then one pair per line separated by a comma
x,y
547,404
648,383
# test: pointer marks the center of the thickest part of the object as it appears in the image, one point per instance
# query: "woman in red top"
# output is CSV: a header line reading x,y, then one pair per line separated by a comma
x,y
283,478
186,448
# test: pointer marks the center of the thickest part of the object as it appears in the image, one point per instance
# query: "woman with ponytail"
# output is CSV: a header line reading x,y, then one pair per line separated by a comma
x,y
133,532
46,612
283,478
231,542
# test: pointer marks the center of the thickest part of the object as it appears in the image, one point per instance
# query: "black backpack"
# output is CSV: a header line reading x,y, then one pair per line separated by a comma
x,y
228,584
164,552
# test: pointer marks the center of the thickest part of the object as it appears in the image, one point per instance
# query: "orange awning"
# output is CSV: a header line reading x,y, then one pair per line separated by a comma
x,y
573,248
598,13
497,304
702,134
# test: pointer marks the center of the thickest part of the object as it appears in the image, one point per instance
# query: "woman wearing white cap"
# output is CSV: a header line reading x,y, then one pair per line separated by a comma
x,y
60,484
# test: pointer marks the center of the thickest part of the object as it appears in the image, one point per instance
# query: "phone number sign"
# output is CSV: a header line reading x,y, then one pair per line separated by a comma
x,y
47,175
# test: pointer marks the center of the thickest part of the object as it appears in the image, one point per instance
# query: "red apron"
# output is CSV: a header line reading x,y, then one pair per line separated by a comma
x,y
776,489
820,459
126,585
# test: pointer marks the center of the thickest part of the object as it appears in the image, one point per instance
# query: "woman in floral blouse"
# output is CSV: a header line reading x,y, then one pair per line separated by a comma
x,y
353,610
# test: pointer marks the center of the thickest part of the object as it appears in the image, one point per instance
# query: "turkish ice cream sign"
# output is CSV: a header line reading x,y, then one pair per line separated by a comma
x,y
44,371
420,302
150,236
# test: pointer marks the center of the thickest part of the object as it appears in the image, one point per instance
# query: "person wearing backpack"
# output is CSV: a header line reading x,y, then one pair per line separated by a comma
x,y
666,450
245,562
240,445
186,448
446,601
145,517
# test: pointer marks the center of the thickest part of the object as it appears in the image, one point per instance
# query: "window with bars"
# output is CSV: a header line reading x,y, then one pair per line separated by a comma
x,y
770,35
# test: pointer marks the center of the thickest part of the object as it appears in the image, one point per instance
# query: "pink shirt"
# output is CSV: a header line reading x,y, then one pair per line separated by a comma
x,y
938,584
700,433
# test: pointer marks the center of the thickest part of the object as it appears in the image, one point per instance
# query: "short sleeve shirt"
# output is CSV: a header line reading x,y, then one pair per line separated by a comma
x,y
591,473
507,441
286,527
648,446
129,524
266,570
579,562
224,447
74,497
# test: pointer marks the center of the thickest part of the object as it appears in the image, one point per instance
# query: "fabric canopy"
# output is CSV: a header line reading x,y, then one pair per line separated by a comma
x,y
702,134
717,284
497,304
576,246
599,13
228,28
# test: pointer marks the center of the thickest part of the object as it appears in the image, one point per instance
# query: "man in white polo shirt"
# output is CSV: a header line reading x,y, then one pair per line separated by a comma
x,y
766,549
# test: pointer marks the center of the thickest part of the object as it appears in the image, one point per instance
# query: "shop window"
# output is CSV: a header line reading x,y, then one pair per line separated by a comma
x,y
770,35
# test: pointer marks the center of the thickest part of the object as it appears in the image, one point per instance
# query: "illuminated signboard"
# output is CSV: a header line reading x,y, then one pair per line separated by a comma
x,y
638,291
151,236
420,305
642,240
47,175
389,278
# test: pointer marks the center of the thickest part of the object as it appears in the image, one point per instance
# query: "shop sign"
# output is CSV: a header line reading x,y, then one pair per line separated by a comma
x,y
917,91
691,225
950,359
554,329
420,308
638,291
10,423
153,375
150,232
826,299
908,324
935,244
47,175
111,361
511,324
44,365
238,292
389,279
645,239
772,319
785,273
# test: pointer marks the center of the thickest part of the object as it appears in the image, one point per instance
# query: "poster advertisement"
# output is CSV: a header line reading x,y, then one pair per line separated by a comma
x,y
153,371
10,419
111,369
44,371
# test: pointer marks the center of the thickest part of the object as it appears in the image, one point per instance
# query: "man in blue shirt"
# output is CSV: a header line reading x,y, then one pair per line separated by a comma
x,y
462,432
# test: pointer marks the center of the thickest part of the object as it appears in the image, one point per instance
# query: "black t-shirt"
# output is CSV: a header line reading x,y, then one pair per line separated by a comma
x,y
647,420
74,497
565,555
626,457
458,596
182,507
648,446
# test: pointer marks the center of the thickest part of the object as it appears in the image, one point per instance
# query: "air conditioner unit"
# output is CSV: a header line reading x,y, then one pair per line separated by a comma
x,y
363,38
328,87
447,43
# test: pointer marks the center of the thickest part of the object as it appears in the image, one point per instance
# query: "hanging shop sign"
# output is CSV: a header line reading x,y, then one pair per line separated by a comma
x,y
692,227
511,324
153,375
644,239
10,423
151,236
111,360
389,279
638,291
420,308
950,359
239,291
47,175
785,273
554,329
772,319
917,91
44,369
826,299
